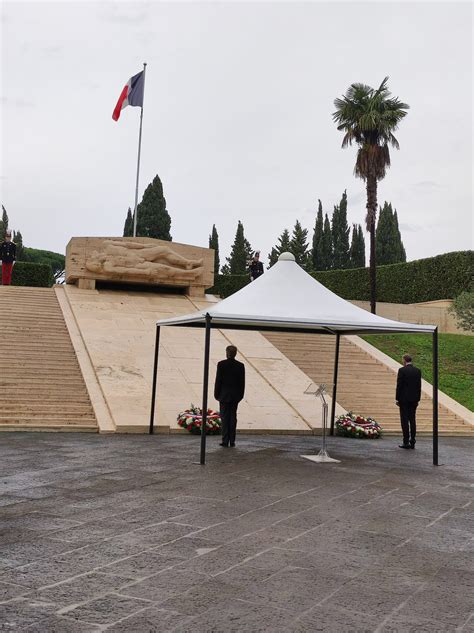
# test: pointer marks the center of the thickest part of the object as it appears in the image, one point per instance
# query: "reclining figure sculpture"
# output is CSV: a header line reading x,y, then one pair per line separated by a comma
x,y
148,261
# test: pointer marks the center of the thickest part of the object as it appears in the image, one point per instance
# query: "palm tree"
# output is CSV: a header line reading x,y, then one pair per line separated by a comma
x,y
369,117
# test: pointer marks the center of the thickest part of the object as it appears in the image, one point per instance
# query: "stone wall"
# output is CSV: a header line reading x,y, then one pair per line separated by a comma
x,y
429,313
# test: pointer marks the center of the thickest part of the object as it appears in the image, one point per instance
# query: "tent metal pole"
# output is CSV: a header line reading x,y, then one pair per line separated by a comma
x,y
435,397
334,385
207,345
155,371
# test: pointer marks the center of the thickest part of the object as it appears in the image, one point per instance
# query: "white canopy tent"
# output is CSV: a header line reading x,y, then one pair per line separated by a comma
x,y
286,298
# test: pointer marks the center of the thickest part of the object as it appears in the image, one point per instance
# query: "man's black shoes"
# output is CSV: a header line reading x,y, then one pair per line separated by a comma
x,y
224,445
404,446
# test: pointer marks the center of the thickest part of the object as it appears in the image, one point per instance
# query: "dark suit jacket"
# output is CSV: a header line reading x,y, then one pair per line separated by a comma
x,y
408,384
230,381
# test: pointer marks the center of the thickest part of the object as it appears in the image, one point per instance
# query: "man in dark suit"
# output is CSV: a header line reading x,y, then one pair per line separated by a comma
x,y
229,390
408,396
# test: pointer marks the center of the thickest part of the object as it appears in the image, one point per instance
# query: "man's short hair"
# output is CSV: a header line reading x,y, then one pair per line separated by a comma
x,y
407,358
231,351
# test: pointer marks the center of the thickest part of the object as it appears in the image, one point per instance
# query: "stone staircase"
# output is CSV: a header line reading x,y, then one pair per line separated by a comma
x,y
365,385
41,384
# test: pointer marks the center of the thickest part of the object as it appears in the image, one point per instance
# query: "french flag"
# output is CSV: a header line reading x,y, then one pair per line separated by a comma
x,y
131,95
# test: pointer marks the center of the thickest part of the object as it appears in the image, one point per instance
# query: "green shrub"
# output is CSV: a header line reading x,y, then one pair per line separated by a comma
x,y
26,274
463,310
226,285
441,277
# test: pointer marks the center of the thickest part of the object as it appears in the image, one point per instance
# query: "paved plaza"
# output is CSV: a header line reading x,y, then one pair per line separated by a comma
x,y
128,533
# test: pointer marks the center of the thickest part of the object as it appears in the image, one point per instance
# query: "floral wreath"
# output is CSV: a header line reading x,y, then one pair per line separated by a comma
x,y
352,425
191,419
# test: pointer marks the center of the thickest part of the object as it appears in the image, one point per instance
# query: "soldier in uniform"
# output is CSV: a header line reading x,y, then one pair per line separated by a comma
x,y
8,257
256,267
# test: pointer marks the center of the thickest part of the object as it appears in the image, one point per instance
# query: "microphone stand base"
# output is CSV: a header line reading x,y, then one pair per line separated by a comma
x,y
321,457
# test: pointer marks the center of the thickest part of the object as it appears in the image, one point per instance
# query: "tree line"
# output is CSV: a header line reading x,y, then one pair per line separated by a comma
x,y
333,246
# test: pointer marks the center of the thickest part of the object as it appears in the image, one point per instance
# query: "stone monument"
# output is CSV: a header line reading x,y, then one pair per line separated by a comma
x,y
139,260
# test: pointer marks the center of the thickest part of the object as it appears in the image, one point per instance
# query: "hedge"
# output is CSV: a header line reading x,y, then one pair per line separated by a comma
x,y
441,277
26,274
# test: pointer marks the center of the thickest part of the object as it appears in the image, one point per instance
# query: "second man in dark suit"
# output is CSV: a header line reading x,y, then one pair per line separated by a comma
x,y
408,396
229,390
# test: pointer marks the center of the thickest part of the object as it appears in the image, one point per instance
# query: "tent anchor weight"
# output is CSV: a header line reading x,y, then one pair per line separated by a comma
x,y
322,456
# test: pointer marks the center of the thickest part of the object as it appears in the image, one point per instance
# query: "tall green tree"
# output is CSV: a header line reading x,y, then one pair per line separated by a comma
x,y
401,253
357,247
388,242
369,117
340,235
214,243
299,245
316,259
326,245
240,253
283,246
128,227
3,223
18,239
55,260
153,220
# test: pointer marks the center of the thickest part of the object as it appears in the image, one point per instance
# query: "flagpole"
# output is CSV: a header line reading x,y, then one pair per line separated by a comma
x,y
138,161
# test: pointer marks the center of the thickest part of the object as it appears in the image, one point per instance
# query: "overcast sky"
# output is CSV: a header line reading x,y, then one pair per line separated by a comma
x,y
237,116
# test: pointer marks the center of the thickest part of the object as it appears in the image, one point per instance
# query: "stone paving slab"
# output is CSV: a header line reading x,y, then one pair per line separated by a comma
x,y
128,533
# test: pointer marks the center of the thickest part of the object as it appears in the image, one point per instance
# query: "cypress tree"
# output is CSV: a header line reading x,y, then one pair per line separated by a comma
x,y
283,246
240,253
153,220
316,259
340,235
401,253
214,243
384,236
354,240
326,245
128,226
18,239
299,245
3,223
357,247
389,247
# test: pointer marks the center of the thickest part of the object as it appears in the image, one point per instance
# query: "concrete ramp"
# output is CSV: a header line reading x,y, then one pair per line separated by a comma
x,y
114,340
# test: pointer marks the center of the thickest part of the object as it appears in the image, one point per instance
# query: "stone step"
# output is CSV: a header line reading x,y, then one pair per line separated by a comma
x,y
41,408
365,385
62,421
44,387
34,425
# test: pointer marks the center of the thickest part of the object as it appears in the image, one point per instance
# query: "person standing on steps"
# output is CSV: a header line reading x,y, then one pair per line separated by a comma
x,y
8,258
408,396
229,390
255,267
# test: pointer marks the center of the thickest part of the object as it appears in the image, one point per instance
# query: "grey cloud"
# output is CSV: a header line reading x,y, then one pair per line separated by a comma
x,y
356,198
52,51
16,103
411,228
427,184
113,13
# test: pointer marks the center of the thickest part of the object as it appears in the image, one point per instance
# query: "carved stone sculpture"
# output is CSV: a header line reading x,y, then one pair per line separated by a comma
x,y
149,261
139,260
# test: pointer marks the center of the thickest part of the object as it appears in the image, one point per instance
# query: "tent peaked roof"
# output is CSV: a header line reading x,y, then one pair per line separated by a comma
x,y
288,298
